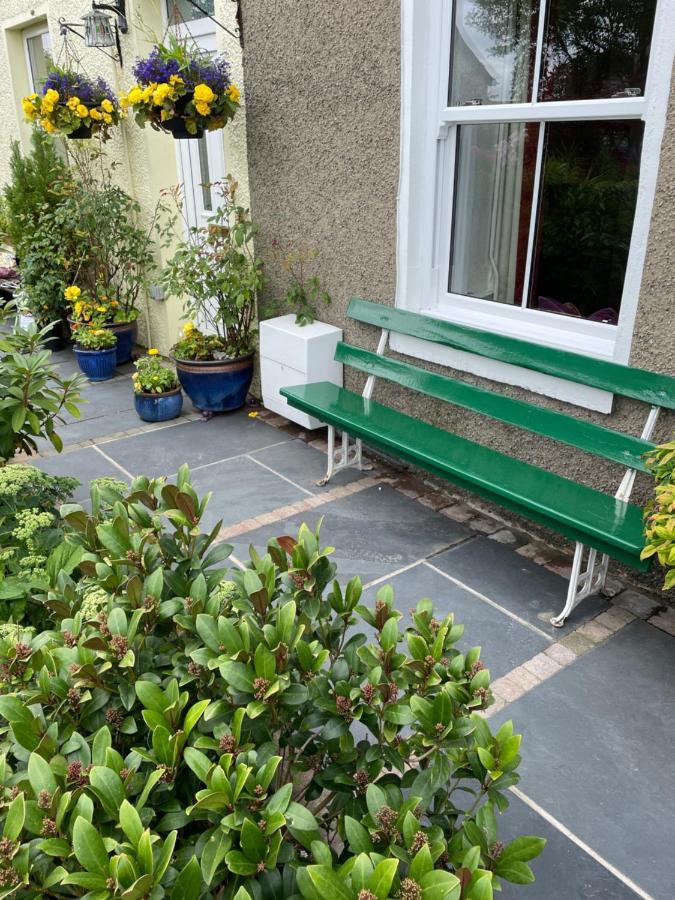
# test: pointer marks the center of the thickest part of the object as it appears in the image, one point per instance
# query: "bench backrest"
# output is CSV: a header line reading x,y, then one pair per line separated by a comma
x,y
639,384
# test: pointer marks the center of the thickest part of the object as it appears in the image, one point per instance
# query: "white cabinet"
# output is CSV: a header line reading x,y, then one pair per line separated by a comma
x,y
291,354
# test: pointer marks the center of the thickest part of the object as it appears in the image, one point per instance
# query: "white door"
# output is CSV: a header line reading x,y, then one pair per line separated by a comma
x,y
200,162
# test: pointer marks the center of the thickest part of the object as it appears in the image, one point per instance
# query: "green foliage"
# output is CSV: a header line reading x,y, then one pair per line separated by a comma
x,y
218,271
92,338
34,222
29,531
33,395
660,512
305,292
185,732
153,376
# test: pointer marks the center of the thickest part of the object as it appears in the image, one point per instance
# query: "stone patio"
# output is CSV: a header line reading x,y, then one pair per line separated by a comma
x,y
594,700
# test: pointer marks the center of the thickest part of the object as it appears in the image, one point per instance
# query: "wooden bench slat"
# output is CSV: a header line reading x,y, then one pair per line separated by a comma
x,y
574,510
639,384
596,439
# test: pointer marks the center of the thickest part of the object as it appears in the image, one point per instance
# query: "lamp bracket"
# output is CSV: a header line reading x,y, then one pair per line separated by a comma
x,y
120,10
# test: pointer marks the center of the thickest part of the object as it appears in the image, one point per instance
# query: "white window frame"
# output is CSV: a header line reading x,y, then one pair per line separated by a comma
x,y
428,129
27,33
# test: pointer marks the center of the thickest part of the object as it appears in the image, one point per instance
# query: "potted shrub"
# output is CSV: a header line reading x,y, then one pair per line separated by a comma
x,y
95,351
157,393
73,105
182,90
295,348
216,268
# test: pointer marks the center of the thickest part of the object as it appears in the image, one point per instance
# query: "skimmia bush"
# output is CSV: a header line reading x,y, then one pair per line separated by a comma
x,y
660,512
191,732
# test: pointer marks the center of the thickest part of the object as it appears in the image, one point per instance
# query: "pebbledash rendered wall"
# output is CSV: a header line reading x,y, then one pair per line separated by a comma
x,y
323,106
145,159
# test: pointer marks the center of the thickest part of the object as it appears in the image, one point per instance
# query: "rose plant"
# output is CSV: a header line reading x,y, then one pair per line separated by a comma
x,y
190,732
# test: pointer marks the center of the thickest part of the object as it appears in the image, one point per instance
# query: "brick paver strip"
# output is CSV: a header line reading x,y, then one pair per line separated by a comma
x,y
293,509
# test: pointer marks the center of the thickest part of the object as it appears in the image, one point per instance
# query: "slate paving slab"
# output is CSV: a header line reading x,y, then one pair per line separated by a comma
x,y
305,465
81,464
525,588
242,489
563,871
163,451
597,750
505,643
374,532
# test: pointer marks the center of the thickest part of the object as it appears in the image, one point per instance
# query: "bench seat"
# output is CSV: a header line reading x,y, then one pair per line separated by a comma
x,y
609,525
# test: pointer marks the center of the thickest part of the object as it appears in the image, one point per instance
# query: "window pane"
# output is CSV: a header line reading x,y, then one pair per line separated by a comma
x,y
493,50
589,188
179,11
204,174
596,49
492,205
39,57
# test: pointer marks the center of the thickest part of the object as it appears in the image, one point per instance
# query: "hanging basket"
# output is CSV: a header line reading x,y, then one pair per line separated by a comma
x,y
83,133
176,128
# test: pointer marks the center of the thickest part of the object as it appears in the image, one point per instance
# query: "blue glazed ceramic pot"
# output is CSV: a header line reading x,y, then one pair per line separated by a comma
x,y
97,365
125,332
216,385
159,407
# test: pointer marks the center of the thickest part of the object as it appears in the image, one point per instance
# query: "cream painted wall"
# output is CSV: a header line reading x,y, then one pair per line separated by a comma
x,y
146,159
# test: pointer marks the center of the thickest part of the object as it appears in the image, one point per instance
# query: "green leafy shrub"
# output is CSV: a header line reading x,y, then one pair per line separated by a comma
x,y
29,530
195,733
153,376
660,512
33,395
89,337
305,292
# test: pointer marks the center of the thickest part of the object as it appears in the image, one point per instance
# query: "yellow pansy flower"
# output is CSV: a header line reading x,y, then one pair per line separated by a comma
x,y
107,118
176,79
51,96
153,351
95,114
82,111
107,106
203,108
148,92
233,93
28,109
72,293
101,309
48,126
73,102
188,328
124,100
204,94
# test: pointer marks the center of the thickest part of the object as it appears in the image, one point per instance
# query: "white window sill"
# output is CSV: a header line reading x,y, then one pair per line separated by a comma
x,y
588,338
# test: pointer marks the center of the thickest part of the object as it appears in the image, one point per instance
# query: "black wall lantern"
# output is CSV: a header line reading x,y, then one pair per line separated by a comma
x,y
99,29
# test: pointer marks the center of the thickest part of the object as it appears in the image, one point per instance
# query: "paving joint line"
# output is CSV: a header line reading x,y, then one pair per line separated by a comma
x,y
113,462
389,575
570,835
493,603
274,472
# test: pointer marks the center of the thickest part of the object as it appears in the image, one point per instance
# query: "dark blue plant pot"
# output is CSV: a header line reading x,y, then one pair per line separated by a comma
x,y
97,365
159,407
126,338
218,385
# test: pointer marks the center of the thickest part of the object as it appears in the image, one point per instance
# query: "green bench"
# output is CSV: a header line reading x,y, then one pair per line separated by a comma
x,y
602,526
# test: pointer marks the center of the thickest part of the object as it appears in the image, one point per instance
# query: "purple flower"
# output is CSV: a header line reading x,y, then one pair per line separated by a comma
x,y
156,68
73,84
195,69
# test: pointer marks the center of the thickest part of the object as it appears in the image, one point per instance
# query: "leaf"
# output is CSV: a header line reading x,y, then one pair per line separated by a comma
x,y
389,635
89,848
16,814
130,822
514,871
381,880
208,632
151,696
522,849
193,716
328,884
40,774
438,885
108,787
239,676
199,762
188,885
213,853
357,836
253,842
238,864
279,801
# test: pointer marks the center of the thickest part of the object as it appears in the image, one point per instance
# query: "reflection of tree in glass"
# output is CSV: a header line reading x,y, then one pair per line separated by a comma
x,y
593,48
588,200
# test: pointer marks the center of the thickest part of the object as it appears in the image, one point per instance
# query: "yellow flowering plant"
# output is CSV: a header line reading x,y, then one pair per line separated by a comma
x,y
89,337
153,375
73,105
87,310
182,91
